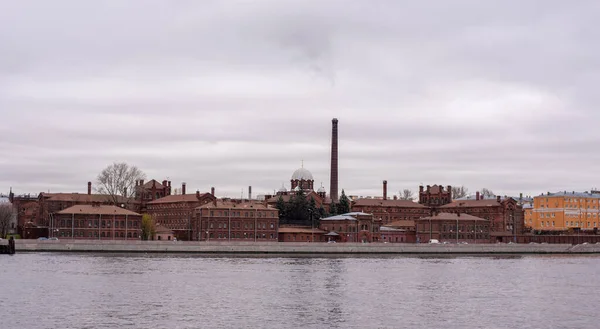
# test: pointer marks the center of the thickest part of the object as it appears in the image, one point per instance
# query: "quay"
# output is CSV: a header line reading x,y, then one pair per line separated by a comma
x,y
195,247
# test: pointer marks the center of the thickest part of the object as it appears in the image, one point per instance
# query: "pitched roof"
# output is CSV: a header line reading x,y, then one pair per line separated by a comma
x,y
97,210
159,229
472,203
148,185
83,198
451,216
236,205
387,203
301,230
346,216
402,223
181,198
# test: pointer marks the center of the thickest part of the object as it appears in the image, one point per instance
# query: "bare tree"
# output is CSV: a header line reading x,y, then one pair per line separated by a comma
x,y
459,192
7,216
118,180
407,194
487,193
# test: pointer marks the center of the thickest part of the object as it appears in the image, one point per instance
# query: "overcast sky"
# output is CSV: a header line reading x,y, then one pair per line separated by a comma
x,y
237,93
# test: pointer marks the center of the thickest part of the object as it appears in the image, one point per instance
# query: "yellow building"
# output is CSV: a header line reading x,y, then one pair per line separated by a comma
x,y
563,211
528,214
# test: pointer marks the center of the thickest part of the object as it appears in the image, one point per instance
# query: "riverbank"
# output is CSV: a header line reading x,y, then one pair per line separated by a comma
x,y
295,248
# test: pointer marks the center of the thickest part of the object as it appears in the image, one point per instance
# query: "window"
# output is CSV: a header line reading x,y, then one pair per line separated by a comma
x,y
273,226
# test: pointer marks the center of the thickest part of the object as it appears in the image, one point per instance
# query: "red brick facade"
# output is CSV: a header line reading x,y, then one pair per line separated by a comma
x,y
97,222
176,212
453,228
236,221
391,210
352,227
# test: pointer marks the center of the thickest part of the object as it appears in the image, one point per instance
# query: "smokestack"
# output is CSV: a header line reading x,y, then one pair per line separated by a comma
x,y
333,183
212,191
385,190
183,188
477,195
249,192
89,187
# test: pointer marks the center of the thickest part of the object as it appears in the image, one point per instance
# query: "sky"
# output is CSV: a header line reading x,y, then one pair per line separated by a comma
x,y
486,94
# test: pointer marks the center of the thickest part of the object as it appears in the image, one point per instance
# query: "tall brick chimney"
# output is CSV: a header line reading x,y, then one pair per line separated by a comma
x,y
89,187
385,190
333,183
249,192
183,188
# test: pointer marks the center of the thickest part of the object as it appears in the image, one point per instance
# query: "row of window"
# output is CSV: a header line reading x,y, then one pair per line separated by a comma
x,y
95,223
81,234
567,223
235,225
259,214
242,236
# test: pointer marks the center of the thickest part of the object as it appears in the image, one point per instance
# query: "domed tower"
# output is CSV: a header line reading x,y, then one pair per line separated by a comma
x,y
322,192
302,178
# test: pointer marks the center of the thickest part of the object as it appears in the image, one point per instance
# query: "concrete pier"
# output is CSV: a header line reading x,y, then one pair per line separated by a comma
x,y
296,248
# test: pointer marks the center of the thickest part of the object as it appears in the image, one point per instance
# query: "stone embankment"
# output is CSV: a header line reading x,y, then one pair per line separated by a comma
x,y
296,248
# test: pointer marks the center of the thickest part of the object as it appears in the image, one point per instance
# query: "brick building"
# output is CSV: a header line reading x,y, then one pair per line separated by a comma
x,y
391,210
150,191
100,222
435,195
504,215
401,231
235,220
352,227
302,234
453,228
176,212
26,207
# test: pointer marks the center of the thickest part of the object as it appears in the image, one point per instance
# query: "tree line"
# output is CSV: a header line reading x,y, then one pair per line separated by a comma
x,y
300,209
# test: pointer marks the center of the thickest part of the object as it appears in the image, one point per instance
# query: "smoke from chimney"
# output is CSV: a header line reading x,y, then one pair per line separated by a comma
x,y
333,184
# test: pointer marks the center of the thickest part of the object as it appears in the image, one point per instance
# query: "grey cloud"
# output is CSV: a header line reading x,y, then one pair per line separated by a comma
x,y
230,94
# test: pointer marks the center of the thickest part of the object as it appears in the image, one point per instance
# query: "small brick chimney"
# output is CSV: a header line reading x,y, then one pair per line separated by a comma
x,y
198,194
498,198
477,195
249,192
183,188
212,191
89,188
385,190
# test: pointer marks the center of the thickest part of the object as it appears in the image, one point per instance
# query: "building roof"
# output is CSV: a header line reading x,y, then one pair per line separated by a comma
x,y
296,229
472,203
148,185
402,223
83,197
387,203
451,216
159,229
570,195
97,210
346,216
302,174
181,198
391,229
236,205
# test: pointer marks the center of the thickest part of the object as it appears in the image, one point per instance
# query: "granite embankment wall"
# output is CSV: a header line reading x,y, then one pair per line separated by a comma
x,y
296,248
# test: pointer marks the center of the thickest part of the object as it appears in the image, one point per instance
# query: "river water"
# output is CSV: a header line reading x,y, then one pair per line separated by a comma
x,y
42,290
